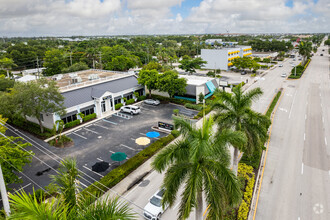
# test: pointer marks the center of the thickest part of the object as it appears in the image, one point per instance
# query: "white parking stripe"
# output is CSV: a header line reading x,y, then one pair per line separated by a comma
x,y
143,134
99,159
91,131
79,135
111,122
23,187
101,126
93,171
123,145
111,151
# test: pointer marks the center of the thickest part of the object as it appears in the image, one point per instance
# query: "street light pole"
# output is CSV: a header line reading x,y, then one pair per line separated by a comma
x,y
4,195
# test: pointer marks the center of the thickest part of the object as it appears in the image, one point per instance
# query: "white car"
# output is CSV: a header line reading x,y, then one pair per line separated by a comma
x,y
281,65
283,75
152,101
154,209
131,109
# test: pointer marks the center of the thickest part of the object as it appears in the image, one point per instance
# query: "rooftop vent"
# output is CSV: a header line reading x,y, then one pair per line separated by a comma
x,y
76,80
93,76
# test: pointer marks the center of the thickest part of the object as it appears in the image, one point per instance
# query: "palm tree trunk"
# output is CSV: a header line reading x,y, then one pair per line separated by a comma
x,y
199,208
235,160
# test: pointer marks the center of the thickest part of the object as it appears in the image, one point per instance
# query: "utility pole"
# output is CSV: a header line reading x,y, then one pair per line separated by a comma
x,y
93,63
71,58
100,60
4,195
38,67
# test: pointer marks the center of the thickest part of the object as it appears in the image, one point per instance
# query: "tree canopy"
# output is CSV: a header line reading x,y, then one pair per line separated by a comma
x,y
170,82
189,64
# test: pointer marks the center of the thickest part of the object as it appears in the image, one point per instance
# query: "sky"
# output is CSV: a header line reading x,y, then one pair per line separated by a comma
x,y
29,18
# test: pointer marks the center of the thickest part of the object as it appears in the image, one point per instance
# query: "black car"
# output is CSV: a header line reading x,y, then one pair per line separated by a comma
x,y
321,54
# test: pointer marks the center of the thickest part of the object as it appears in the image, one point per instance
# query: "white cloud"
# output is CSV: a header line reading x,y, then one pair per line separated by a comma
x,y
95,17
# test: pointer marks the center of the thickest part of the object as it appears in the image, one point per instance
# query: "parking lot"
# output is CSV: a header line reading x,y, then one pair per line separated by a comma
x,y
97,141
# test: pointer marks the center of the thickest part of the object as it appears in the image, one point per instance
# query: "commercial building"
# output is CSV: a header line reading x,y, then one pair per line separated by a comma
x,y
221,58
219,41
92,91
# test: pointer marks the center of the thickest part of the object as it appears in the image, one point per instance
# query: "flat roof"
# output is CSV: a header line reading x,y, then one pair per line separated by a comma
x,y
196,80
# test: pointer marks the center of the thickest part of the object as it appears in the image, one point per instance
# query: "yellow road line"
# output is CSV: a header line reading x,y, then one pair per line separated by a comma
x,y
263,169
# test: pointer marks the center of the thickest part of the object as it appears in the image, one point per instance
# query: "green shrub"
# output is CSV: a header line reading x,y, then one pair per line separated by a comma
x,y
39,194
173,100
210,73
142,97
89,117
32,128
176,111
72,124
60,141
175,133
193,106
119,173
218,71
130,101
200,114
273,104
119,105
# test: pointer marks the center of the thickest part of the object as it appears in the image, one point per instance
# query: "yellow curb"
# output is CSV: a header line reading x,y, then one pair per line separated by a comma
x,y
263,169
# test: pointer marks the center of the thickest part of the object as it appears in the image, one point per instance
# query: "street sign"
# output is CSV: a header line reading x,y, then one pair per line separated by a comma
x,y
223,83
166,126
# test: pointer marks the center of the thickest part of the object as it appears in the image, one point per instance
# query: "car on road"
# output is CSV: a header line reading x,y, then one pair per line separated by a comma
x,y
152,101
321,54
281,65
154,209
283,75
243,73
131,109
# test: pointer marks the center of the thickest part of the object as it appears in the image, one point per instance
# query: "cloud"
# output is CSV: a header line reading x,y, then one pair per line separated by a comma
x,y
114,17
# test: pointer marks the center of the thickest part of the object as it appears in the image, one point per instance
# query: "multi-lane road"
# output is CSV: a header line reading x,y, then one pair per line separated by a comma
x,y
296,181
269,83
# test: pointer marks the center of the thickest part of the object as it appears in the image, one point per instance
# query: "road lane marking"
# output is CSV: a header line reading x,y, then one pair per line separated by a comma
x,y
176,205
302,168
322,119
92,171
325,140
304,136
305,116
91,131
79,135
283,109
292,103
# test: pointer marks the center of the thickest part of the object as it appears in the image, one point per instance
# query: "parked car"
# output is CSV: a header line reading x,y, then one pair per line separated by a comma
x,y
283,75
281,65
243,73
152,101
321,54
154,209
131,109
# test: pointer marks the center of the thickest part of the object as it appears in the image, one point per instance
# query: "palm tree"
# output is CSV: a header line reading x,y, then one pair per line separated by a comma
x,y
233,111
69,204
200,163
305,49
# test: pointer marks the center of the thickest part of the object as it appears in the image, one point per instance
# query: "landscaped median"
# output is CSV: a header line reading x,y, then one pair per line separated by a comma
x,y
299,70
119,173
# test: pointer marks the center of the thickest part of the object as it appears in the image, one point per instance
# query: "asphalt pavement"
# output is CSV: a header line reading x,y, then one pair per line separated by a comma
x,y
296,181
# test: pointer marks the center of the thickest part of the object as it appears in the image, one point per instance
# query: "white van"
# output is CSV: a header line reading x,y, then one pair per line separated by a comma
x,y
131,109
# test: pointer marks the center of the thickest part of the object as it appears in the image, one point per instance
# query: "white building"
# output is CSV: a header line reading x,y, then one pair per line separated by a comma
x,y
221,58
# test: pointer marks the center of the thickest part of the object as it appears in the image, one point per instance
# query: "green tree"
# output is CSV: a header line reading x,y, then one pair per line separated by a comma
x,y
7,64
13,156
233,111
70,204
76,67
305,49
327,42
6,83
153,66
170,82
199,163
54,62
189,65
36,97
149,78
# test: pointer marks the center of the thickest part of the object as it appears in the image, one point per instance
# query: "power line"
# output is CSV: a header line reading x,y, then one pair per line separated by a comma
x,y
96,181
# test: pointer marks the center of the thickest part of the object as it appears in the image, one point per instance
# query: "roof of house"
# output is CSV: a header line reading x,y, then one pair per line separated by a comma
x,y
86,94
27,78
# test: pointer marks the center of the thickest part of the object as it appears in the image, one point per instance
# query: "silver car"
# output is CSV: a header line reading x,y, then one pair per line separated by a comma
x,y
131,109
152,101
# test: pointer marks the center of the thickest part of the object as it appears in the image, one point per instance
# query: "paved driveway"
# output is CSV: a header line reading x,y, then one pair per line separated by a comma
x,y
93,143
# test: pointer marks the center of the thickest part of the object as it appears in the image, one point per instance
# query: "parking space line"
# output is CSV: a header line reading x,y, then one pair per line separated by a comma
x,y
79,135
22,187
91,131
143,134
99,159
111,151
101,126
92,171
111,122
78,129
123,145
132,139
88,126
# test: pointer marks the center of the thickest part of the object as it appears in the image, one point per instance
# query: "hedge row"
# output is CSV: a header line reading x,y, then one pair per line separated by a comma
x,y
193,106
173,100
89,117
72,124
297,71
118,106
273,104
119,173
32,128
130,101
246,172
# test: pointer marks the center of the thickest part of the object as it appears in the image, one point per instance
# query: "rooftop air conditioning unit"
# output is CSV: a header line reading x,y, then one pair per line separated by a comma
x,y
73,75
57,77
76,80
93,76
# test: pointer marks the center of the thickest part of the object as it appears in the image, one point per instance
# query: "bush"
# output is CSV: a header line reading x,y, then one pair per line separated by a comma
x,y
89,117
119,173
72,124
200,114
193,106
175,133
273,104
130,101
210,73
218,71
60,141
119,105
176,111
32,128
173,100
142,97
39,194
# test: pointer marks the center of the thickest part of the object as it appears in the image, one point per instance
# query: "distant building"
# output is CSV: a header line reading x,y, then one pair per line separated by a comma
x,y
219,41
221,58
32,71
